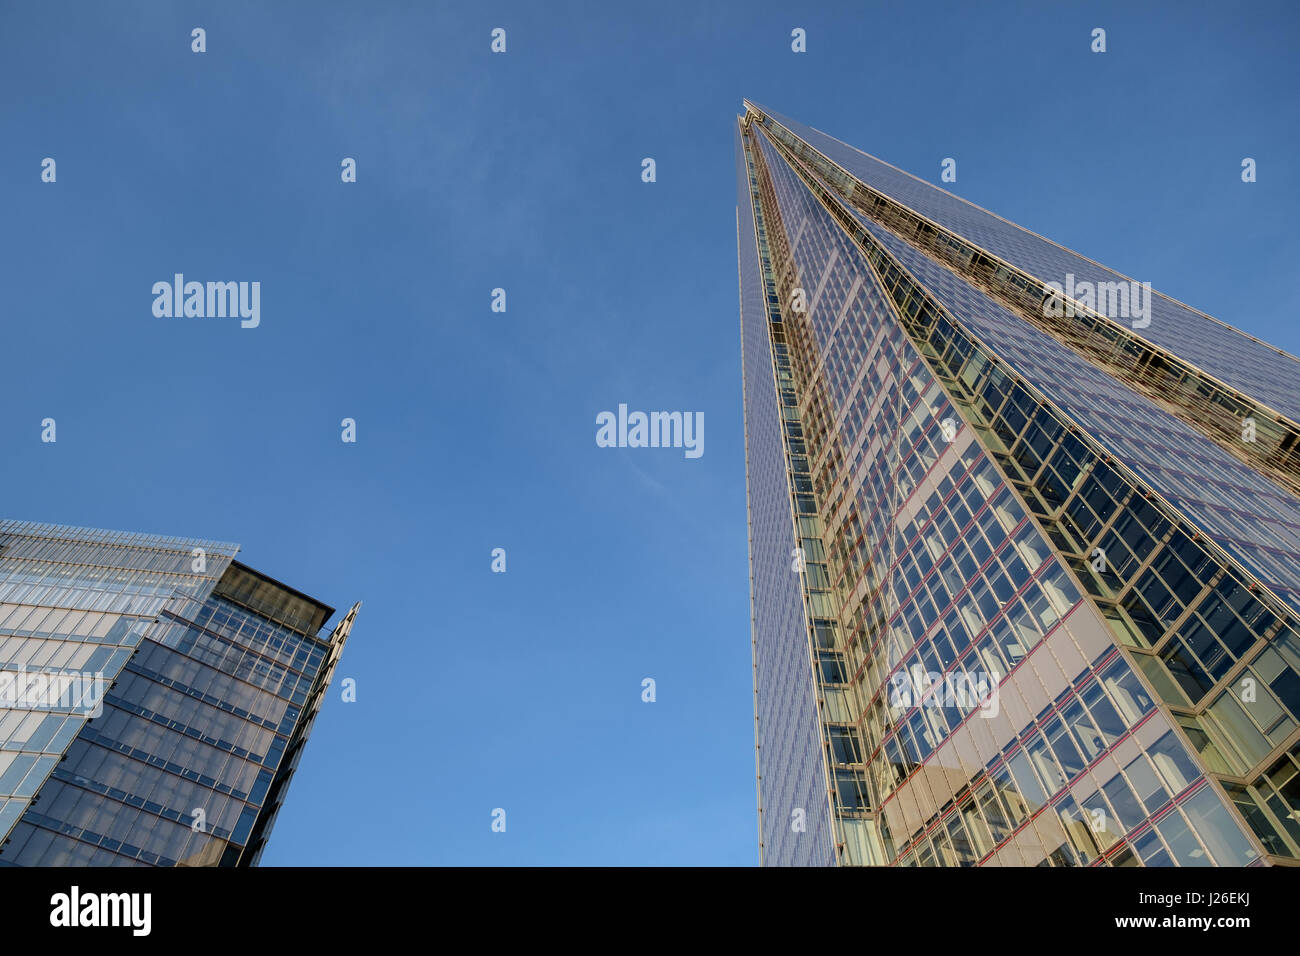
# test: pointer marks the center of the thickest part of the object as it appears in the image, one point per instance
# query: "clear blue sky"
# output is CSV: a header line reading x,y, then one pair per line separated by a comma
x,y
476,430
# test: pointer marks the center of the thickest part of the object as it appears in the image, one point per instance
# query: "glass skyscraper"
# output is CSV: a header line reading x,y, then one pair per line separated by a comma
x,y
1024,539
155,697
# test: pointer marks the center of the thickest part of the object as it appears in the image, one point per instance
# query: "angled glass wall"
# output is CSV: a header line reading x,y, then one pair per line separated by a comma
x,y
794,809
956,449
211,677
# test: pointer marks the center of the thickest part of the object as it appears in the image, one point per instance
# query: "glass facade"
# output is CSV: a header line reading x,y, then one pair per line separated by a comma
x,y
208,676
792,773
1048,616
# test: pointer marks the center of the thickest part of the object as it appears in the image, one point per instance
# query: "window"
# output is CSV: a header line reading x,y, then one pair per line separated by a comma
x,y
1063,748
1126,807
1173,763
1026,782
1182,841
1048,769
1210,819
1150,791
1060,591
994,814
1085,731
844,745
1131,700
1017,809
850,789
1151,851
1248,745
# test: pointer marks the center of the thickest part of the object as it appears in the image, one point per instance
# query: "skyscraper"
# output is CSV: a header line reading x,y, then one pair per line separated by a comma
x,y
155,697
1024,539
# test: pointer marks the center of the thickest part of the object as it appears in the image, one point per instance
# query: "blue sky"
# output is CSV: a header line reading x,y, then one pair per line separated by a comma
x,y
476,430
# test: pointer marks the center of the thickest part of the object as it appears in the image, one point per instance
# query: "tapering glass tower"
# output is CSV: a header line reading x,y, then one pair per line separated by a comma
x,y
155,697
1024,539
